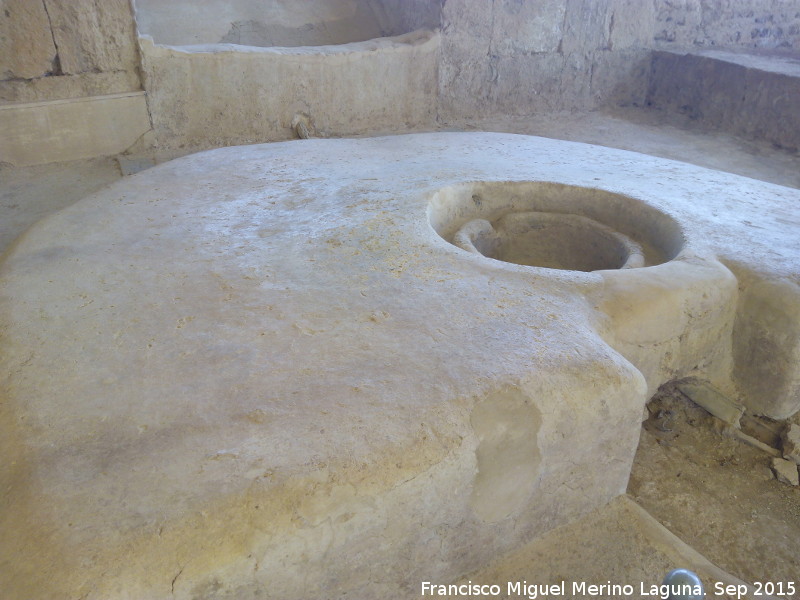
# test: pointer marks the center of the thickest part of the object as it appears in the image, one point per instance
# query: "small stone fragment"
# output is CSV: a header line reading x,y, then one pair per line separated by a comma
x,y
785,471
790,440
707,396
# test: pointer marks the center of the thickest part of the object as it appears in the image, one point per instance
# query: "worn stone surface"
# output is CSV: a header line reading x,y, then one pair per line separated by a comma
x,y
790,443
767,347
60,50
728,23
587,551
785,471
719,405
94,35
26,42
66,87
215,95
267,372
747,95
45,132
521,57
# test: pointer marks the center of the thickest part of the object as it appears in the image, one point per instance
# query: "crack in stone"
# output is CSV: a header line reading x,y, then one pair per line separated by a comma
x,y
56,66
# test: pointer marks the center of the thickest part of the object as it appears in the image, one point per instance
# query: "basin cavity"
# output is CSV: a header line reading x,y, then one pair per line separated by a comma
x,y
551,240
554,225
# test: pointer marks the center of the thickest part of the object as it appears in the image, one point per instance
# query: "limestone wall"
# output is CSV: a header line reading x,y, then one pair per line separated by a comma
x,y
518,57
766,24
220,95
53,49
498,57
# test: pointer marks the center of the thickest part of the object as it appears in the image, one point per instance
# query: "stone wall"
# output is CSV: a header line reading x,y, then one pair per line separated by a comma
x,y
53,49
217,95
518,57
497,57
767,24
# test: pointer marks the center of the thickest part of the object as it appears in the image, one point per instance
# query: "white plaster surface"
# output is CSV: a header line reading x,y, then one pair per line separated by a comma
x,y
259,372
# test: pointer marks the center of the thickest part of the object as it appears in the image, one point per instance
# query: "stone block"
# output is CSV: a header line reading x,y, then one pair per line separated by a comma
x,y
215,95
526,27
707,396
26,43
785,471
94,35
65,87
273,351
586,26
790,440
43,132
619,77
738,93
631,24
766,347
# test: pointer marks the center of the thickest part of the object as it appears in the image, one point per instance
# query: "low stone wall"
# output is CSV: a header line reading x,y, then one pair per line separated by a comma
x,y
223,94
745,94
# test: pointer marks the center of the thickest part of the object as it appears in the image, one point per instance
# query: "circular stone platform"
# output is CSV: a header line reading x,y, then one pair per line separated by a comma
x,y
261,372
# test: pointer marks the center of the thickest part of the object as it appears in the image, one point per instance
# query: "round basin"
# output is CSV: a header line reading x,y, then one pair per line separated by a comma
x,y
554,225
550,240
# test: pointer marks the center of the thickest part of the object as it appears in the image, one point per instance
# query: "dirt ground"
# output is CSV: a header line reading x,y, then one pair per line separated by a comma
x,y
716,493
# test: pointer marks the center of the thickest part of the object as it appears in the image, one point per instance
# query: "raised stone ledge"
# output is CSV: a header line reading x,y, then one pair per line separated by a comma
x,y
750,94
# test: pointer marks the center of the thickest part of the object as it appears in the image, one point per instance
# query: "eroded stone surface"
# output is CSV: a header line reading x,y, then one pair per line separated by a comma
x,y
56,50
94,36
785,471
743,94
767,348
219,94
790,443
261,369
26,42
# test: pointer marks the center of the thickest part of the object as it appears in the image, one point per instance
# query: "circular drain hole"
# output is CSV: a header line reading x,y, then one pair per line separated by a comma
x,y
550,240
553,225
